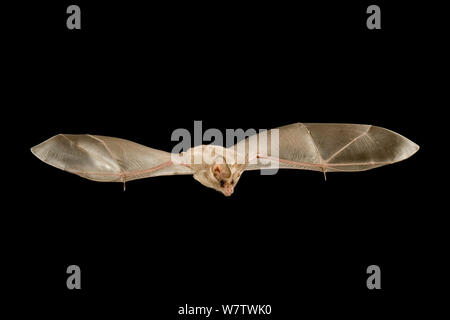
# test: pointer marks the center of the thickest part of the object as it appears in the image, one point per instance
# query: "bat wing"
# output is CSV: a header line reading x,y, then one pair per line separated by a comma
x,y
106,159
330,147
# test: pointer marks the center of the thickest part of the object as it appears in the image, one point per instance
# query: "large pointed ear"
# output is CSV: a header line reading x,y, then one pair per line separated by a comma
x,y
216,170
221,171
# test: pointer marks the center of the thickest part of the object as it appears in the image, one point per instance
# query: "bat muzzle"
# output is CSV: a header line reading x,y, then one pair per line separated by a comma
x,y
228,191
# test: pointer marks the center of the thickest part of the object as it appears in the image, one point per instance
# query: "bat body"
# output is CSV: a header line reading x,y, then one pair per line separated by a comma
x,y
318,147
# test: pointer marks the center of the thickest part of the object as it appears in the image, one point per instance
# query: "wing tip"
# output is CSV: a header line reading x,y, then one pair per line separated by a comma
x,y
408,148
411,148
414,148
41,150
38,149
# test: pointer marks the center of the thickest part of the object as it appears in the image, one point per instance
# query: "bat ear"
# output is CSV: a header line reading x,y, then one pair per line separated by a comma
x,y
221,171
217,169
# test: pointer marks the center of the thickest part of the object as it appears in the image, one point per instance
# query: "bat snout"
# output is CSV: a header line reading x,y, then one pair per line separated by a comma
x,y
228,191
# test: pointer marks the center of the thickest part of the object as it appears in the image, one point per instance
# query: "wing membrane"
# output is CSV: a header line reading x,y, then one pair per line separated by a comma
x,y
106,159
330,147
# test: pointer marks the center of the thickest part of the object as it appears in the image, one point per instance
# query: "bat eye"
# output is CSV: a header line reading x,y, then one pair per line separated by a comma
x,y
222,183
232,181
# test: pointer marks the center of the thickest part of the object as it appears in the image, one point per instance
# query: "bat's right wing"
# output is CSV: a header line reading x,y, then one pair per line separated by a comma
x,y
328,147
106,159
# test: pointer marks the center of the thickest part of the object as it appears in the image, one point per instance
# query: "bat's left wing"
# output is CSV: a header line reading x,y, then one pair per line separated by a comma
x,y
106,159
327,147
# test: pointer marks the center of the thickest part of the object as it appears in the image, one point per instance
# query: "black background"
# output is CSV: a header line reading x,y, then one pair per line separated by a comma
x,y
291,240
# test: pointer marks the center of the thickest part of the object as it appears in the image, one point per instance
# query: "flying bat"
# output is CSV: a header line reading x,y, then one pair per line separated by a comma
x,y
322,147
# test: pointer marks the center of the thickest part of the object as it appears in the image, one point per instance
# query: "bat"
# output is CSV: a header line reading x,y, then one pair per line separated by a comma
x,y
323,147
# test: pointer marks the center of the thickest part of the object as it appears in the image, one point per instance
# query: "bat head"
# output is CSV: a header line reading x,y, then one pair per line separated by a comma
x,y
221,177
